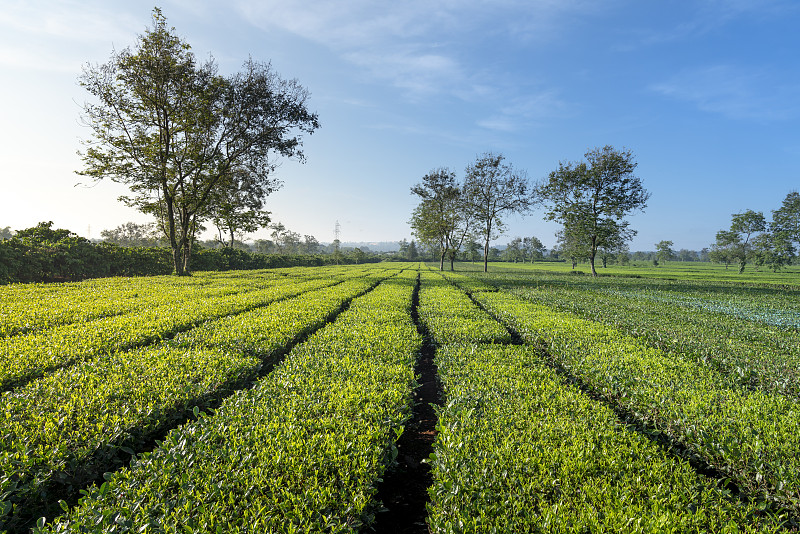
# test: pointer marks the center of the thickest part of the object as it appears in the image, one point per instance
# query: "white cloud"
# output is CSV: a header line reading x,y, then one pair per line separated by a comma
x,y
417,71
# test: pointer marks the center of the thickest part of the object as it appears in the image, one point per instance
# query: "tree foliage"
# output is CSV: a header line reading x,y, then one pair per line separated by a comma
x,y
590,199
736,244
442,217
664,251
132,234
236,205
786,219
533,248
173,130
493,189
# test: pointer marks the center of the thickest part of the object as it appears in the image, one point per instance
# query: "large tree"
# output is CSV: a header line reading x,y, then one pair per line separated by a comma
x,y
590,199
173,129
494,189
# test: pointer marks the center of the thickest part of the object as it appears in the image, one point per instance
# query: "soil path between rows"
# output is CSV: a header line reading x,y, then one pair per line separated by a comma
x,y
404,491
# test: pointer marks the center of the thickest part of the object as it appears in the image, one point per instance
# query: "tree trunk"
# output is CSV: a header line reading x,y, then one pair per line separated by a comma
x,y
184,247
173,241
176,260
591,262
441,259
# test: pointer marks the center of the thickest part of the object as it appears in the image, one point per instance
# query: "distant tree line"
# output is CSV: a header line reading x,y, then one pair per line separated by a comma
x,y
590,199
452,215
45,254
753,239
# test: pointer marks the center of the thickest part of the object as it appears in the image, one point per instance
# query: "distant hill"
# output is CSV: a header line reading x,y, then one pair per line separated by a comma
x,y
374,246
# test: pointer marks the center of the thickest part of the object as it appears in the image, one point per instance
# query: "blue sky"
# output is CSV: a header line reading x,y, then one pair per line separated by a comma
x,y
705,93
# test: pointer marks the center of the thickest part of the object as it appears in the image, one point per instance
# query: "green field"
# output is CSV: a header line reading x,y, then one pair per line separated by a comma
x,y
647,400
678,270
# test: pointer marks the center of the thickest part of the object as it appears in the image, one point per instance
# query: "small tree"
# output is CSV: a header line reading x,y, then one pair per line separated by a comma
x,y
236,205
310,245
721,253
413,253
132,234
533,248
441,218
473,250
664,251
358,255
514,251
591,198
737,242
494,189
572,246
786,220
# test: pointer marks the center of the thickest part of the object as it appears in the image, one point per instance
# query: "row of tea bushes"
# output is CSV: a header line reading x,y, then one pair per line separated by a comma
x,y
751,353
31,307
26,308
66,428
451,316
519,450
751,436
28,356
301,451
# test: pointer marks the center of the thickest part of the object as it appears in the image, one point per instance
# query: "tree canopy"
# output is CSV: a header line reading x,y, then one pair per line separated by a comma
x,y
736,244
174,130
664,251
591,198
494,189
442,217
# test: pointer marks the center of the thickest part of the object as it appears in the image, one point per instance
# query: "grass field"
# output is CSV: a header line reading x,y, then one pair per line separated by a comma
x,y
679,270
646,400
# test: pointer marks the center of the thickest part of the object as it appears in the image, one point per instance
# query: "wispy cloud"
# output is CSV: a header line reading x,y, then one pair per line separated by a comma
x,y
733,92
415,45
49,35
710,15
422,73
521,112
70,21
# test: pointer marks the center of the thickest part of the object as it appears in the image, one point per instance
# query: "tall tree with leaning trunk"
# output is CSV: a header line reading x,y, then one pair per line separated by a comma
x,y
592,198
172,130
